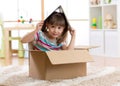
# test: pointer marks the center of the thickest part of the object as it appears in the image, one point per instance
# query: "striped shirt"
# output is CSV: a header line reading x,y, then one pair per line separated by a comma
x,y
43,44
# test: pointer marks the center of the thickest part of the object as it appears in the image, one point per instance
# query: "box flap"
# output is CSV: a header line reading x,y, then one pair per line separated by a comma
x,y
69,56
83,47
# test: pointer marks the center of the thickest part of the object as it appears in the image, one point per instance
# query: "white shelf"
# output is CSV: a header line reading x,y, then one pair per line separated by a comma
x,y
107,38
95,6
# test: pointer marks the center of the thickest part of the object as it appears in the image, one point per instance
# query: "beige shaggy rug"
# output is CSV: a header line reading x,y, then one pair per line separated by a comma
x,y
18,76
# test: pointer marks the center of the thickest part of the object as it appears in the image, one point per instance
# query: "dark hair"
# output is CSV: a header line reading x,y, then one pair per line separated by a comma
x,y
57,19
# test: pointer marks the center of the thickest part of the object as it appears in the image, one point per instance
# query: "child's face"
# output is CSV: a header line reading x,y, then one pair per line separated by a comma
x,y
55,31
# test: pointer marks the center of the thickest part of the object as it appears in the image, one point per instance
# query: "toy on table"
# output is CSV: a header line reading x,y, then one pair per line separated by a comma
x,y
94,23
30,20
21,19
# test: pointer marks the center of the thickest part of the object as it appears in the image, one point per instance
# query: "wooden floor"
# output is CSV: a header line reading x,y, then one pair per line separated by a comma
x,y
105,61
15,61
98,61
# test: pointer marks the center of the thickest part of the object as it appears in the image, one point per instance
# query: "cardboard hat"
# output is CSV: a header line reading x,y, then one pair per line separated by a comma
x,y
59,9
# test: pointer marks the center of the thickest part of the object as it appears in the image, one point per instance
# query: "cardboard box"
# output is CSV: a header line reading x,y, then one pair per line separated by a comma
x,y
62,64
58,64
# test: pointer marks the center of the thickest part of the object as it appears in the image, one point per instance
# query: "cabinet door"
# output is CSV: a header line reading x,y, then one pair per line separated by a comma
x,y
97,39
118,16
112,43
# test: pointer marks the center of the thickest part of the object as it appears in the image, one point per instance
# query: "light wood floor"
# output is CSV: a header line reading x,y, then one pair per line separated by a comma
x,y
15,61
105,61
98,61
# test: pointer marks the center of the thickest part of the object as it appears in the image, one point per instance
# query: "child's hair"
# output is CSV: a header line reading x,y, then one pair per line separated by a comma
x,y
57,19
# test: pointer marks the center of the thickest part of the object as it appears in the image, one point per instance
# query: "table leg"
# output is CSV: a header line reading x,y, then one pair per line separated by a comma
x,y
8,55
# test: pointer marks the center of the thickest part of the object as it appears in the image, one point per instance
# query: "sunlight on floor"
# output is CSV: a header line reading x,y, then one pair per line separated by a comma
x,y
15,61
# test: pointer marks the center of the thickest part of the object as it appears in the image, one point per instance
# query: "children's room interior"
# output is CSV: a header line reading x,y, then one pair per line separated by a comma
x,y
87,55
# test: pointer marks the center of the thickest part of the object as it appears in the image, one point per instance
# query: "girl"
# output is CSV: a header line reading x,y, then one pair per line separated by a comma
x,y
51,34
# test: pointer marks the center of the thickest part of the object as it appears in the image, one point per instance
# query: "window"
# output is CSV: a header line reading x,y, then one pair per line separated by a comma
x,y
13,9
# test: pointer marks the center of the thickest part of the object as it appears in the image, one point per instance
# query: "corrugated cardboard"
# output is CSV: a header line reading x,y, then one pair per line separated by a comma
x,y
58,64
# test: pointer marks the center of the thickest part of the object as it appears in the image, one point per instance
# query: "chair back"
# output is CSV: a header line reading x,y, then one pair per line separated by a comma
x,y
1,25
2,40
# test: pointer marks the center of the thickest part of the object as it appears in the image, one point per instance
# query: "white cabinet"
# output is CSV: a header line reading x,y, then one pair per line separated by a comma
x,y
112,43
97,38
105,28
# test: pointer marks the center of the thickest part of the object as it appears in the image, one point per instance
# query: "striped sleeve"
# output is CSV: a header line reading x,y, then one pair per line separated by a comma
x,y
37,35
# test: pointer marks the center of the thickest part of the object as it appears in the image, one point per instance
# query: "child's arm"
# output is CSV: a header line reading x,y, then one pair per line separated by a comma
x,y
72,41
30,36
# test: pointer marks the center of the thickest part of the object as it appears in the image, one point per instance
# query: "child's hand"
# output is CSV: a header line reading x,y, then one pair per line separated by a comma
x,y
72,32
39,25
